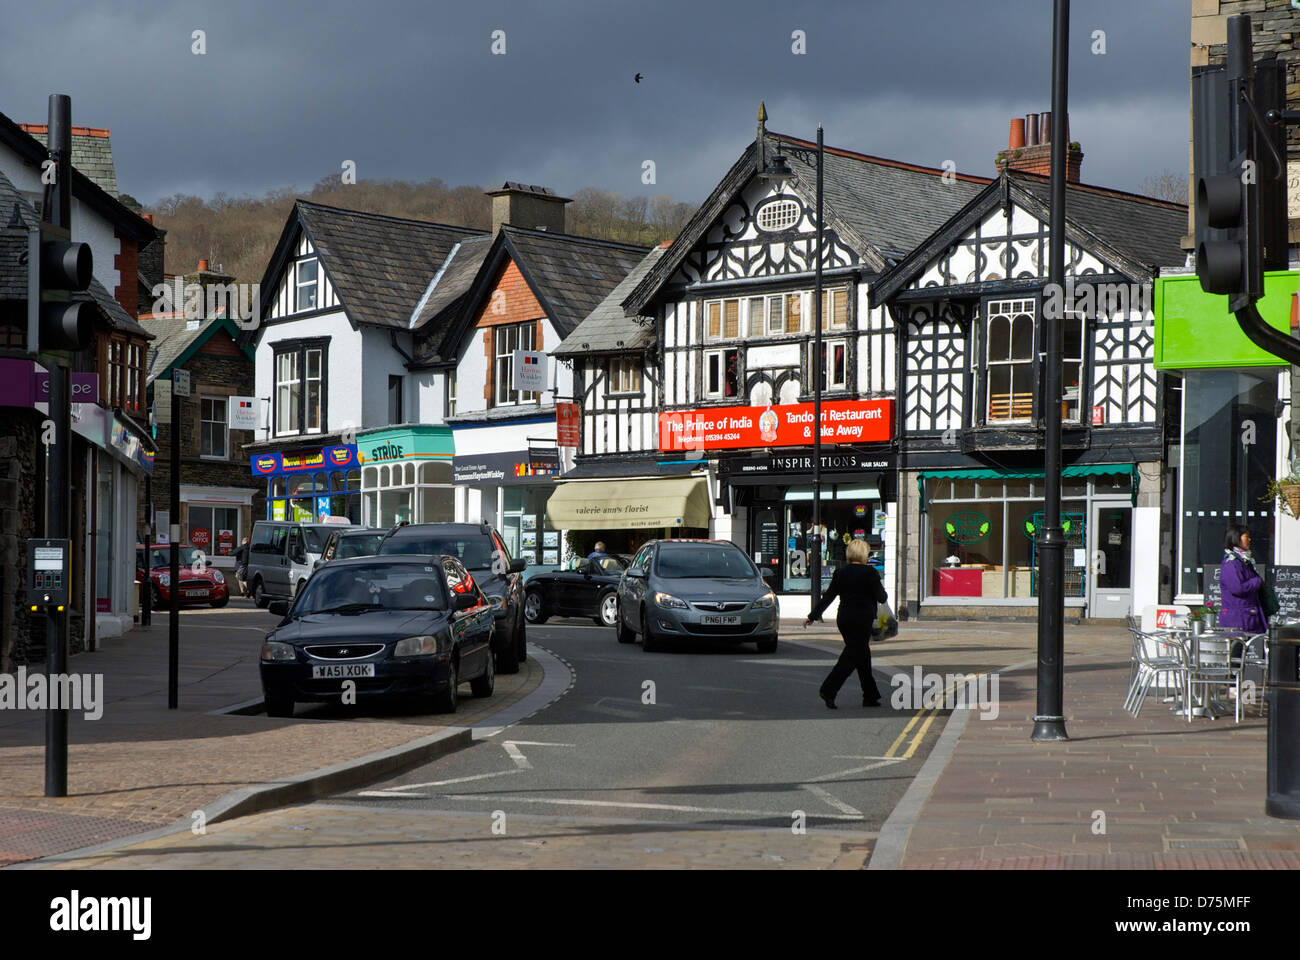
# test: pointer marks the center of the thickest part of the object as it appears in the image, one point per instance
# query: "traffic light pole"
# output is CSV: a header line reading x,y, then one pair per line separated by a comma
x,y
173,535
1049,722
57,211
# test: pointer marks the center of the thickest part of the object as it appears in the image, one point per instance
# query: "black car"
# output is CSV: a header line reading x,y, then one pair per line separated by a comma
x,y
582,588
416,626
480,549
351,542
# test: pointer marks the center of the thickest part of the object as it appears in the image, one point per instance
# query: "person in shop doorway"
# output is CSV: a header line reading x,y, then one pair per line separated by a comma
x,y
241,567
598,552
859,589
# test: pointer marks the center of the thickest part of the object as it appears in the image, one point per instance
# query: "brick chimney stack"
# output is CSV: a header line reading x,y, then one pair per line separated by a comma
x,y
520,205
1029,148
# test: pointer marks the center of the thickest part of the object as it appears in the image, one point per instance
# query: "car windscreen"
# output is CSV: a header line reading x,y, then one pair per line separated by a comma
x,y
363,546
474,552
163,558
313,538
375,586
703,560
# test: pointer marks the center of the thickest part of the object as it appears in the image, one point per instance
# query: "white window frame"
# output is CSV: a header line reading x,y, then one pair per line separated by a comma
x,y
828,346
293,385
319,379
624,376
221,403
1009,310
720,355
451,392
510,336
300,285
721,336
1074,317
831,320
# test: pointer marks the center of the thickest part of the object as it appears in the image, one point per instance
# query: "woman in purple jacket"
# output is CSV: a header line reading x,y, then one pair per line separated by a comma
x,y
1240,584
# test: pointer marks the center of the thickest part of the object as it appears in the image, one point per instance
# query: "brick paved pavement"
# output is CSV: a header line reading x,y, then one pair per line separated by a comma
x,y
142,766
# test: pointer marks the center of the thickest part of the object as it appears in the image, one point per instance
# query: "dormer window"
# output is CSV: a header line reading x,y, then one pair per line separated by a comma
x,y
777,215
307,278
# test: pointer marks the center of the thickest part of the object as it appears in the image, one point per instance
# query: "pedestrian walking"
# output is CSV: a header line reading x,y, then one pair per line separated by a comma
x,y
858,586
241,567
1243,593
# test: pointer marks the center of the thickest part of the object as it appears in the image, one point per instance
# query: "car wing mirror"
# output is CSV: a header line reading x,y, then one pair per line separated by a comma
x,y
636,573
766,572
518,565
464,601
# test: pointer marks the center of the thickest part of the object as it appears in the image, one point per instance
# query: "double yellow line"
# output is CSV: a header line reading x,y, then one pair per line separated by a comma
x,y
928,716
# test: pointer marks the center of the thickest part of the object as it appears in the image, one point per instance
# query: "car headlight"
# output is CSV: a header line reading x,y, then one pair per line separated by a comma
x,y
498,603
216,575
765,601
424,646
274,651
668,600
165,579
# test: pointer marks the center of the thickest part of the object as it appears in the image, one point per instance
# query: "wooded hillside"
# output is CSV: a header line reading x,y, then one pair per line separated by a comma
x,y
239,233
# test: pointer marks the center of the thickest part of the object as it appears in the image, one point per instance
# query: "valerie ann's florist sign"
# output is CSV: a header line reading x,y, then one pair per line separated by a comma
x,y
786,425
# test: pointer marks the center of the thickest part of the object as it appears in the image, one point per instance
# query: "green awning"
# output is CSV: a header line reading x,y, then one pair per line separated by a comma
x,y
1075,470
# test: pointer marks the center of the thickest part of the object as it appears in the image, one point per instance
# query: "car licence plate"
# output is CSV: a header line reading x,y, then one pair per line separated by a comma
x,y
716,620
196,593
342,671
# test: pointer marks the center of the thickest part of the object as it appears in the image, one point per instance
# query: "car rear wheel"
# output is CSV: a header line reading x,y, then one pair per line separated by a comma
x,y
535,607
259,594
483,686
155,597
445,700
608,607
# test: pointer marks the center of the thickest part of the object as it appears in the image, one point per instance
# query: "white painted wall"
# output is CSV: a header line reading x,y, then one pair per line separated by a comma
x,y
344,372
1146,548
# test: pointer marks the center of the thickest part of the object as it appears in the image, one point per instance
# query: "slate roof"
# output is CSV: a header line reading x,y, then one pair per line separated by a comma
x,y
13,274
172,338
380,266
607,329
1147,230
92,154
570,275
881,207
454,278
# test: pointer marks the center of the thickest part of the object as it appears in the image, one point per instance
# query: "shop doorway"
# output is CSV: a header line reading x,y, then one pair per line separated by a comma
x,y
1110,570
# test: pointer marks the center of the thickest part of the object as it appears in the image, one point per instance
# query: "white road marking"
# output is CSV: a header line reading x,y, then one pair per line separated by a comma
x,y
517,755
562,801
613,711
792,663
401,791
826,778
833,801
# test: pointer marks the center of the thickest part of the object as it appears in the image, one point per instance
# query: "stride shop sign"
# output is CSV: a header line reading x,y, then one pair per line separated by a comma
x,y
786,425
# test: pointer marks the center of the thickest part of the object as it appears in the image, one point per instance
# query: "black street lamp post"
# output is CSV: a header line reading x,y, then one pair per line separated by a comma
x,y
778,171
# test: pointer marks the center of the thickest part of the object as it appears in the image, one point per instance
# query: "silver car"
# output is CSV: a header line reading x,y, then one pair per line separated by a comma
x,y
690,590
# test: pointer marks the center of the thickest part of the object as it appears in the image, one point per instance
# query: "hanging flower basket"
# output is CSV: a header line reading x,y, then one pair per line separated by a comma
x,y
1290,493
1286,491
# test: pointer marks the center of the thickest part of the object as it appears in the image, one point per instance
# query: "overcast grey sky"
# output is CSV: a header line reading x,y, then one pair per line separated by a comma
x,y
287,91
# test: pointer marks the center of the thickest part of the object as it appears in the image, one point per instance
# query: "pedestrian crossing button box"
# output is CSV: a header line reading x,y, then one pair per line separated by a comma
x,y
47,572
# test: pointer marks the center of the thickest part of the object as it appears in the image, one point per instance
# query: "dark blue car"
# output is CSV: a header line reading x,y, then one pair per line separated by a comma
x,y
414,626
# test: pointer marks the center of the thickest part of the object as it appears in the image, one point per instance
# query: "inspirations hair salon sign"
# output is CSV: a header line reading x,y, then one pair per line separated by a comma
x,y
786,425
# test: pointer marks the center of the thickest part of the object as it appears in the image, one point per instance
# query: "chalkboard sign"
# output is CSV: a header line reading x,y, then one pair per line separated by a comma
x,y
1286,584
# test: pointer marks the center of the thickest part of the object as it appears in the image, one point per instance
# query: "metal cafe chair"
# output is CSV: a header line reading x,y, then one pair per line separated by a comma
x,y
1159,662
1209,666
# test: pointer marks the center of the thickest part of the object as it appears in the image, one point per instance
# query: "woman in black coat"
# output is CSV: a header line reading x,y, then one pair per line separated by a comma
x,y
859,588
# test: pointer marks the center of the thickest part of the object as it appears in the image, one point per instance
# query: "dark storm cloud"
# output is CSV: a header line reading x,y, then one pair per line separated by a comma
x,y
288,91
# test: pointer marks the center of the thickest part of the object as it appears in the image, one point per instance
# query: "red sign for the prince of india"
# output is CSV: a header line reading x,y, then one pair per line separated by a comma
x,y
785,425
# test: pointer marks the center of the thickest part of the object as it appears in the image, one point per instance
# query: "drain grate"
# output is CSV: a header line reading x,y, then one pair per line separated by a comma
x,y
1204,844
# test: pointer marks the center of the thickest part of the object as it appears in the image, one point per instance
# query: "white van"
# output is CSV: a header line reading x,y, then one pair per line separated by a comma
x,y
282,555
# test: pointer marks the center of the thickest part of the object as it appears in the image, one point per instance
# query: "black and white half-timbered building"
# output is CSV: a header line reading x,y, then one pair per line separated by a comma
x,y
969,308
724,316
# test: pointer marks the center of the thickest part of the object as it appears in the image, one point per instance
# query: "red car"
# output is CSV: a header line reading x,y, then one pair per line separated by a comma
x,y
199,583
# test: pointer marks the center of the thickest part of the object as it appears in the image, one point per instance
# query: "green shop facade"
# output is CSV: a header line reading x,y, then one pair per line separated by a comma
x,y
1230,429
405,474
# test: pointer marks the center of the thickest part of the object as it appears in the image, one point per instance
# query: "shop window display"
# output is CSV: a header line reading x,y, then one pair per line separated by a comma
x,y
842,521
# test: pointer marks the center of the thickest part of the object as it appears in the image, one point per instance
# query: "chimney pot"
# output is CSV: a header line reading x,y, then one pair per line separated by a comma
x,y
1045,129
1031,129
203,265
1016,139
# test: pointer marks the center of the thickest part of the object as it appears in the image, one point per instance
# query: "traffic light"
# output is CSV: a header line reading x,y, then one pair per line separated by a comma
x,y
1228,255
55,321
